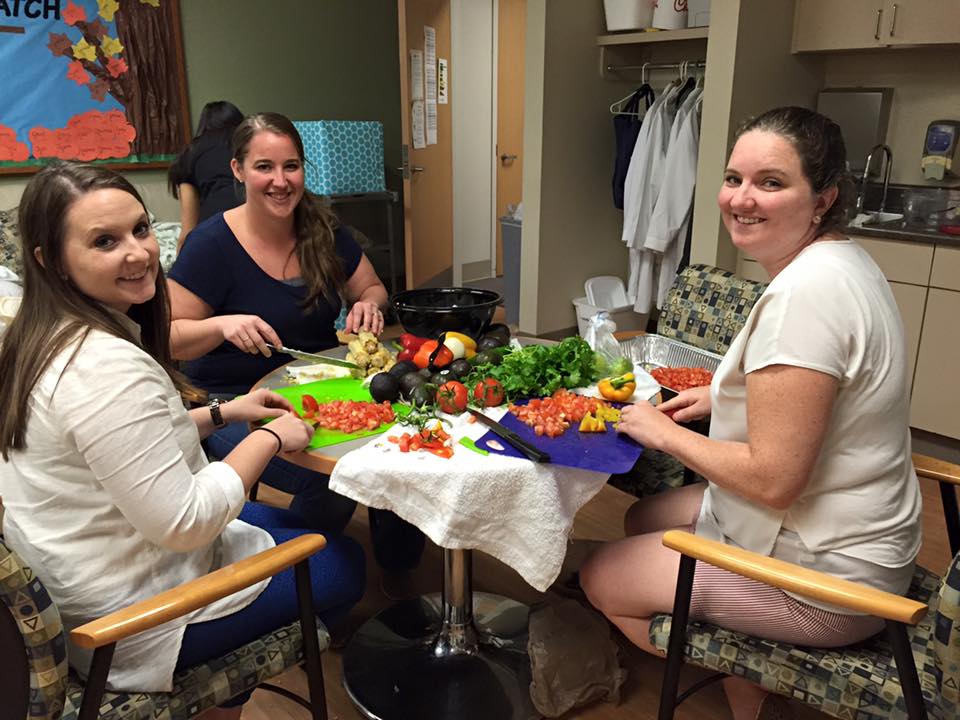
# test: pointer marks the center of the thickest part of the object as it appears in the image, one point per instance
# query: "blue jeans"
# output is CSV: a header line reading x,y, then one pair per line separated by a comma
x,y
337,577
397,545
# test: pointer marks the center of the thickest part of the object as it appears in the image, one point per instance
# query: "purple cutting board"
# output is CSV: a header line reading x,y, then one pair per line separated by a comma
x,y
609,452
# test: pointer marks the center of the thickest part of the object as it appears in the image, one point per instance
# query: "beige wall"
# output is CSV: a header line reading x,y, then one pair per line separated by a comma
x,y
926,88
571,230
335,60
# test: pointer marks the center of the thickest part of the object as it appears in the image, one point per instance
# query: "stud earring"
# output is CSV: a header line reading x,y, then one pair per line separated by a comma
x,y
816,219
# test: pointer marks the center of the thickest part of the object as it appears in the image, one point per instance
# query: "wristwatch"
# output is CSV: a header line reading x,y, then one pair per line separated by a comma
x,y
215,413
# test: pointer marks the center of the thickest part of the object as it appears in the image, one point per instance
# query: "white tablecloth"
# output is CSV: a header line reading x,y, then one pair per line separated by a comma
x,y
518,511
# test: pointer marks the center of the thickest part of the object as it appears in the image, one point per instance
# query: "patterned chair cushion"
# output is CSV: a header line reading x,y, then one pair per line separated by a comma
x,y
707,307
56,691
27,601
10,241
858,682
654,473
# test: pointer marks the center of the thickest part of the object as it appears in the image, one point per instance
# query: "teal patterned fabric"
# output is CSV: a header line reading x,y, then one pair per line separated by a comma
x,y
858,682
25,598
10,241
707,307
654,473
56,691
343,156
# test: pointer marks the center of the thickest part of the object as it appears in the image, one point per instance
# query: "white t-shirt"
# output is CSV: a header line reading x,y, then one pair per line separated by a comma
x,y
113,501
829,310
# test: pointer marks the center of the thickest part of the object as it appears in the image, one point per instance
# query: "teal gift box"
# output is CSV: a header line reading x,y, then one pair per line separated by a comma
x,y
343,156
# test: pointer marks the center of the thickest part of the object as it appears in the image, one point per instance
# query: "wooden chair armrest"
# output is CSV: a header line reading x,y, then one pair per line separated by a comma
x,y
803,581
935,469
189,596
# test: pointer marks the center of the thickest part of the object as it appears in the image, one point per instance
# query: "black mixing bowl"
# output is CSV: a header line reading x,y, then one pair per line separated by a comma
x,y
430,311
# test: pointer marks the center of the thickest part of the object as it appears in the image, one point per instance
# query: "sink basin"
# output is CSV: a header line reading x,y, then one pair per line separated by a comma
x,y
874,218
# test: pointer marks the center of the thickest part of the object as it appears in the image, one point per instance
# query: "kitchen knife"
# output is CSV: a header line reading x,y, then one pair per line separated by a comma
x,y
533,453
300,355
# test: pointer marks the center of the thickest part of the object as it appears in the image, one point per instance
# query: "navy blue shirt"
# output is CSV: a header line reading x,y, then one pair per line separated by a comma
x,y
215,267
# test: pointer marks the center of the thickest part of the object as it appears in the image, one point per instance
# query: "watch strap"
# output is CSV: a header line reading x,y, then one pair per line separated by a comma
x,y
215,413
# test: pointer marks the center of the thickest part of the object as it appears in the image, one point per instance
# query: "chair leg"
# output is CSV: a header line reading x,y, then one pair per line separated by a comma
x,y
907,670
678,638
253,491
311,646
951,515
96,682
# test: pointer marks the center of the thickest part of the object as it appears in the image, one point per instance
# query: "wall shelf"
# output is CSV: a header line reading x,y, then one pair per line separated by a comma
x,y
636,38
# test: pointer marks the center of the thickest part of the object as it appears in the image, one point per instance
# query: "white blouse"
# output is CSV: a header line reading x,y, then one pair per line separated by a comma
x,y
113,501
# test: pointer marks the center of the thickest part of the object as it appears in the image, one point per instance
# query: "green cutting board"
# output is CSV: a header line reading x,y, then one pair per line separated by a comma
x,y
335,389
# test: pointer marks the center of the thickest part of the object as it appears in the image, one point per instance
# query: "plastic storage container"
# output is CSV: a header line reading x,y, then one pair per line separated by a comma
x,y
698,13
624,317
628,14
510,233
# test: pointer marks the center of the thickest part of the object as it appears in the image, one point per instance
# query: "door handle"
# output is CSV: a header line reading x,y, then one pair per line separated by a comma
x,y
876,34
507,158
893,20
413,168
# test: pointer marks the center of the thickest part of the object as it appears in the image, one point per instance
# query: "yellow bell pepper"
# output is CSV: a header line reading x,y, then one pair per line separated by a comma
x,y
610,414
590,424
468,342
618,388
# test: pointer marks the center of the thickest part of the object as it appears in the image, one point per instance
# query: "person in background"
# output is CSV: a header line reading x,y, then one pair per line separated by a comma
x,y
108,494
200,177
808,456
276,270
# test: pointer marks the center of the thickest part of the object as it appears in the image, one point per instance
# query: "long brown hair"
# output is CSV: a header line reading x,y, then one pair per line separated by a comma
x,y
314,223
54,312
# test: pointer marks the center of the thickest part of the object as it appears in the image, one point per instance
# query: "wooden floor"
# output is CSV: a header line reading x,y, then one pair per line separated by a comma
x,y
600,519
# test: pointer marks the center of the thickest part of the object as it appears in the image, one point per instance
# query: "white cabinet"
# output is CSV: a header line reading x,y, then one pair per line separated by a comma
x,y
936,393
832,25
857,24
911,300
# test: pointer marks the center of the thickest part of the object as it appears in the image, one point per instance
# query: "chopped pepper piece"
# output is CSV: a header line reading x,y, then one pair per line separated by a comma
x,y
618,388
591,424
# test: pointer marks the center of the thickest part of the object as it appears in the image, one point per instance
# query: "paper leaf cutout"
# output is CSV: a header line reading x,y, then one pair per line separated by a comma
x,y
60,45
116,66
111,46
99,89
108,8
76,73
84,51
89,136
97,28
72,14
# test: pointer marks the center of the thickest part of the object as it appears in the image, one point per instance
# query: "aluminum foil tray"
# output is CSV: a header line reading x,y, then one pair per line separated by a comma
x,y
653,351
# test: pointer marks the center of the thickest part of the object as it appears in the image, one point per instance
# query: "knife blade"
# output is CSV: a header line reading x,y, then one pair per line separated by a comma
x,y
312,357
531,452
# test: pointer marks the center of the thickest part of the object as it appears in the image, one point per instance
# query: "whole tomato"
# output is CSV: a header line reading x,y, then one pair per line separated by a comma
x,y
488,392
452,397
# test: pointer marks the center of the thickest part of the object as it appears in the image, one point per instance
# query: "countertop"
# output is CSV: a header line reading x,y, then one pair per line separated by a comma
x,y
896,230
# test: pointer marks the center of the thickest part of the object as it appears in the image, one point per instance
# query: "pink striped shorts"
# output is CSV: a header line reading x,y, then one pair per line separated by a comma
x,y
737,603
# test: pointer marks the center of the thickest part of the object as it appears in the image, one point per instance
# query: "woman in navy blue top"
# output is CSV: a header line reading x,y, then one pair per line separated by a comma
x,y
276,270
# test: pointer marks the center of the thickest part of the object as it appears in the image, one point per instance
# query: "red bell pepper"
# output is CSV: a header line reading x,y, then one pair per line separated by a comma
x,y
422,358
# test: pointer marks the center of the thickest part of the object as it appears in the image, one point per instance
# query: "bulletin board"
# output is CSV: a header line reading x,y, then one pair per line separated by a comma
x,y
97,81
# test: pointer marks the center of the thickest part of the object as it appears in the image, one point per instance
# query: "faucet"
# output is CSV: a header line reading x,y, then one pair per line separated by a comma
x,y
888,163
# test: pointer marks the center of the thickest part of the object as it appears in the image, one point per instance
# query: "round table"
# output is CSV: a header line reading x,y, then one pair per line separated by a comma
x,y
456,655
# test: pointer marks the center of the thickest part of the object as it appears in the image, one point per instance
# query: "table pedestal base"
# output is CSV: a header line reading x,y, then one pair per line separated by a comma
x,y
403,662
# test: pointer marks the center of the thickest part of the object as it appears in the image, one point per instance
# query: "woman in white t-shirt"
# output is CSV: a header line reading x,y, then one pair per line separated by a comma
x,y
808,456
108,494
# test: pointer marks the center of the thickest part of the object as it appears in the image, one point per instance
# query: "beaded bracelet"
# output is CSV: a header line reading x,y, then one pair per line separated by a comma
x,y
279,441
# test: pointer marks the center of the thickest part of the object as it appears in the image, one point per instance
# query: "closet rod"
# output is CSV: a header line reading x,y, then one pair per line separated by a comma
x,y
656,66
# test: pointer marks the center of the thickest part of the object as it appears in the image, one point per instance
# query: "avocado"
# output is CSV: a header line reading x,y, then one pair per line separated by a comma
x,y
493,356
410,381
384,387
488,342
402,368
460,368
499,331
423,395
426,373
442,376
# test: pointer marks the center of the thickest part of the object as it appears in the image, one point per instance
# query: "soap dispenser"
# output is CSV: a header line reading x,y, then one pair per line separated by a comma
x,y
939,148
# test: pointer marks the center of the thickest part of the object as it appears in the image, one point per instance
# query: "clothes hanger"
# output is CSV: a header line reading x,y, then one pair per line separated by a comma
x,y
617,107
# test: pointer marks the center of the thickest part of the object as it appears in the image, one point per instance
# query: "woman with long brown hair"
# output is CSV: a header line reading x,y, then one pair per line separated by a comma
x,y
276,270
108,495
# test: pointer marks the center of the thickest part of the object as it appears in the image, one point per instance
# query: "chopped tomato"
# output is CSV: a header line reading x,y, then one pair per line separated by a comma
x,y
310,404
682,378
351,416
551,416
